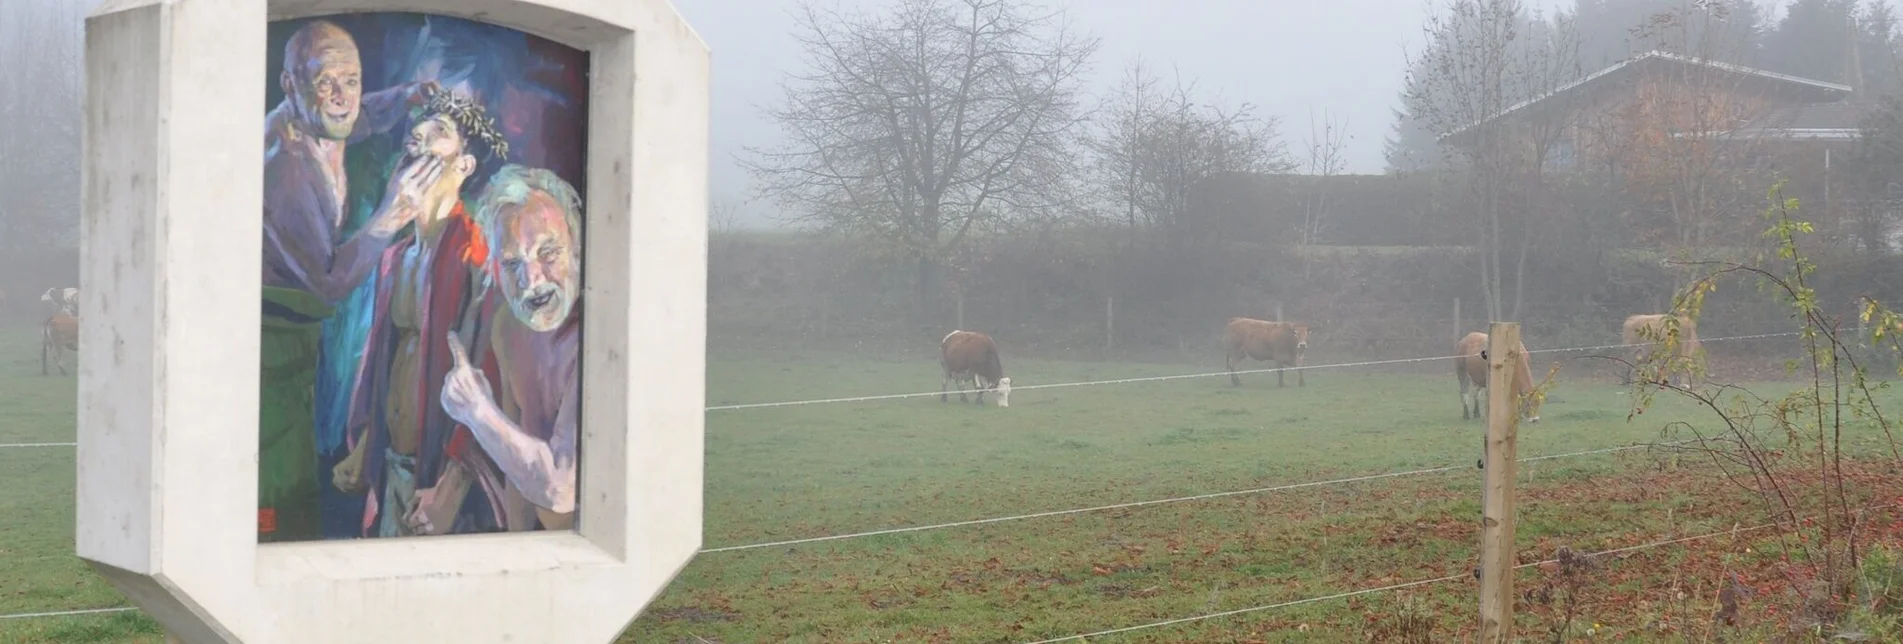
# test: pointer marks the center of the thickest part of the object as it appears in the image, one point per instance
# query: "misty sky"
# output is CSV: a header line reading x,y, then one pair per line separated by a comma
x,y
1290,58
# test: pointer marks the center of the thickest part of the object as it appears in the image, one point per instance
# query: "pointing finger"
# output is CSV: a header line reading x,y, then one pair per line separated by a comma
x,y
456,350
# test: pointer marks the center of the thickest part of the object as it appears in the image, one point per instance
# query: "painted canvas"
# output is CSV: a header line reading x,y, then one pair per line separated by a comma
x,y
421,340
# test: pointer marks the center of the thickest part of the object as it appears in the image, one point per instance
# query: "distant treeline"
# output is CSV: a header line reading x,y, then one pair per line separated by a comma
x,y
1080,292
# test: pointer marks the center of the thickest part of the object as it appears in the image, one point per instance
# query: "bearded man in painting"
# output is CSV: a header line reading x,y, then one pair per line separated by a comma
x,y
430,284
525,416
309,264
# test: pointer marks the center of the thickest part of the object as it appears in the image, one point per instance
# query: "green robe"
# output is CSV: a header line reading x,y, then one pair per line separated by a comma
x,y
288,508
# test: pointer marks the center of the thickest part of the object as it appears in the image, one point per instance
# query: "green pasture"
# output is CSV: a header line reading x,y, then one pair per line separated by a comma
x,y
794,472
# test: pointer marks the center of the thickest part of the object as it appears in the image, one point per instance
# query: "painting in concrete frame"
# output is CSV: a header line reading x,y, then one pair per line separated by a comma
x,y
421,338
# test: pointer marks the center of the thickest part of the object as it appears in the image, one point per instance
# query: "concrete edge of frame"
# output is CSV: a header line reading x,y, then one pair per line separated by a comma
x,y
167,437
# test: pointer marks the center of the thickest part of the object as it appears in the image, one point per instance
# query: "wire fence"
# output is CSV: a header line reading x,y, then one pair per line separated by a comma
x,y
1393,587
1036,515
1179,499
1127,505
69,613
1182,620
1112,382
1212,374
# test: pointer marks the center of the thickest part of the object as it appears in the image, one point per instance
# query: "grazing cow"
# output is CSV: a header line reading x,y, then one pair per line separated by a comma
x,y
66,299
1286,343
1637,329
58,334
1471,369
970,355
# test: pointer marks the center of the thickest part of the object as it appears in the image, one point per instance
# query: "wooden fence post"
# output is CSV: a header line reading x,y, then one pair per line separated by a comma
x,y
1496,527
1110,322
961,309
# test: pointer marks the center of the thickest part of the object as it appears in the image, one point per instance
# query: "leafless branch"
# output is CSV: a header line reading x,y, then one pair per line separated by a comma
x,y
918,125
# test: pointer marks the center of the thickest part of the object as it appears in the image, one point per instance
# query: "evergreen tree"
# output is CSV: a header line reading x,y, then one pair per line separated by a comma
x,y
1813,40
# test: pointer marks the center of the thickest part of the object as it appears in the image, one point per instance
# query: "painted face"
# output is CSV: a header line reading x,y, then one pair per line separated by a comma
x,y
328,87
438,136
537,266
434,135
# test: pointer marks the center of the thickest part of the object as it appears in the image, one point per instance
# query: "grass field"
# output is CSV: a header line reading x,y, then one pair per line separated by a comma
x,y
794,472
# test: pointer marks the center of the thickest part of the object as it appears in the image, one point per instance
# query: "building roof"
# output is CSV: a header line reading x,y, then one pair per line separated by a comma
x,y
1805,89
1840,120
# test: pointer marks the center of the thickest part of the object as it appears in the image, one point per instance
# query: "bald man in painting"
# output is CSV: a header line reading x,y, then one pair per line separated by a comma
x,y
309,262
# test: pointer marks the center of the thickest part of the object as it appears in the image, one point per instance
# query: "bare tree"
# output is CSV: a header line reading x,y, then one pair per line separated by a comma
x,y
1547,61
723,217
1119,143
1463,80
1486,58
1687,162
1325,144
916,126
1157,149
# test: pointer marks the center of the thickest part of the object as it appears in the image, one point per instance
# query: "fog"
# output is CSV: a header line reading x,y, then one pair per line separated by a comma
x,y
1344,59
1131,201
1293,144
1295,60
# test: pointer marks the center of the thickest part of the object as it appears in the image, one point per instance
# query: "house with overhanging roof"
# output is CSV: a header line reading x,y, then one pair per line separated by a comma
x,y
1785,98
1683,96
1747,119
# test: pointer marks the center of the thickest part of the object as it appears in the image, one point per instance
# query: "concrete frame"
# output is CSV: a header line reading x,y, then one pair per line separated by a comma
x,y
167,441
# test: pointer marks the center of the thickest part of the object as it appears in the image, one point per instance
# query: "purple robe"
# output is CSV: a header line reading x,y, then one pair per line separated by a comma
x,y
303,217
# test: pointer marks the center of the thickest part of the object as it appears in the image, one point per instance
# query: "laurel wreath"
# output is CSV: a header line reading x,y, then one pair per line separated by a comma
x,y
470,117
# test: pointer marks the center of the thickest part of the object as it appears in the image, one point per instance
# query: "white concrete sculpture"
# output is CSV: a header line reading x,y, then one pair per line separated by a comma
x,y
588,503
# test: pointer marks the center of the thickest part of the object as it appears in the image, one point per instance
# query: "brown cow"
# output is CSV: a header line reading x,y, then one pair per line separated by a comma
x,y
1636,330
1471,368
1286,343
970,355
58,334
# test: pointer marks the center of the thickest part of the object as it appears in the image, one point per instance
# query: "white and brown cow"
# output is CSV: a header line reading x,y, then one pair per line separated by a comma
x,y
65,299
972,356
58,334
1286,343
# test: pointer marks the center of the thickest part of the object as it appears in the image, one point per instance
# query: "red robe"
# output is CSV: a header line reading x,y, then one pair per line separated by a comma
x,y
448,295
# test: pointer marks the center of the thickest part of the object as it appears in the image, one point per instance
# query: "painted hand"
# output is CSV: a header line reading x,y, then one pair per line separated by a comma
x,y
347,476
466,394
403,197
421,91
431,514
